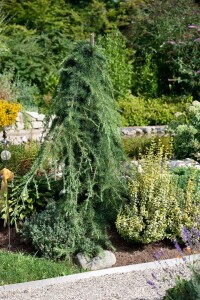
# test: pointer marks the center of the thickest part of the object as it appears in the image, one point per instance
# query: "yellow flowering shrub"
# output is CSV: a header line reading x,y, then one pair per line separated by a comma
x,y
8,112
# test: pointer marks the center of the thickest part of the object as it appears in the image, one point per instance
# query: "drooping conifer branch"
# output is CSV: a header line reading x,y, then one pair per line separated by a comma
x,y
84,139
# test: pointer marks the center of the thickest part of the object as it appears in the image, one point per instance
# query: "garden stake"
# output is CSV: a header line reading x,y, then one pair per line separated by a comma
x,y
6,175
92,40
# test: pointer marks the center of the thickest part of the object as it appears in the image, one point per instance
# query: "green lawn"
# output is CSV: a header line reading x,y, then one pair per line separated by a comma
x,y
18,267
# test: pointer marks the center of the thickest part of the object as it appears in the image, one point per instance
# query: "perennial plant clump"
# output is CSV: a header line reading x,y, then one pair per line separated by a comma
x,y
158,207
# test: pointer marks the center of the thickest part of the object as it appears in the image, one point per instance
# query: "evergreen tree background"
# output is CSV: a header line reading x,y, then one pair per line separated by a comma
x,y
84,141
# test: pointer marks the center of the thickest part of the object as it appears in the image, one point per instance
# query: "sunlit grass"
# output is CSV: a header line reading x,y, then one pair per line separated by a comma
x,y
18,267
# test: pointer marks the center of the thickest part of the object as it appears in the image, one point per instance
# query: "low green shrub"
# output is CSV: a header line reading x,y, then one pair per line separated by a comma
x,y
186,132
48,232
158,207
136,146
53,236
139,111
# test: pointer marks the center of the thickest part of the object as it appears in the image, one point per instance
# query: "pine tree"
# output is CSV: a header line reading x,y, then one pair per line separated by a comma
x,y
84,141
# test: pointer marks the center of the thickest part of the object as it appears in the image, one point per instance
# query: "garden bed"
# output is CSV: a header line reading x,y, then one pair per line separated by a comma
x,y
126,253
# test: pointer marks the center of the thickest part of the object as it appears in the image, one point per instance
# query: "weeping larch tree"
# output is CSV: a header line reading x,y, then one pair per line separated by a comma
x,y
84,142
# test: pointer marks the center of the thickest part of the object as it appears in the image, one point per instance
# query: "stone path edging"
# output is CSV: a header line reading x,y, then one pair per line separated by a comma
x,y
75,277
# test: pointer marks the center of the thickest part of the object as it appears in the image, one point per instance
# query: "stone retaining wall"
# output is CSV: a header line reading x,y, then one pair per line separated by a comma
x,y
141,130
29,126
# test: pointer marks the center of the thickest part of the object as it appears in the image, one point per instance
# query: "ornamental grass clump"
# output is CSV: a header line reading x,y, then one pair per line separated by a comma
x,y
158,207
85,146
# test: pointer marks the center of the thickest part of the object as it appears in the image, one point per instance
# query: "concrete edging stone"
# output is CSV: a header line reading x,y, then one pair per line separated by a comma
x,y
85,275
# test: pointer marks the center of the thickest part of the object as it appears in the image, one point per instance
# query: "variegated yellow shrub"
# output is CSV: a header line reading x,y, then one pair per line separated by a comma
x,y
8,112
158,207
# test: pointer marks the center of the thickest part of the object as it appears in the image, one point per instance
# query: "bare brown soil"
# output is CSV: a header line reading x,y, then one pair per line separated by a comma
x,y
17,245
126,253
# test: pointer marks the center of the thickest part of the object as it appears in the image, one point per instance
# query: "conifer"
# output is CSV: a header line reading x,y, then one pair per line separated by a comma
x,y
84,142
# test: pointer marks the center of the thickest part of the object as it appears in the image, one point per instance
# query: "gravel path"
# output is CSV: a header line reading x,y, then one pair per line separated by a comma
x,y
126,286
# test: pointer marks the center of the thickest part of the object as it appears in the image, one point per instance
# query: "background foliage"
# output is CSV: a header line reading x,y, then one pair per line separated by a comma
x,y
166,47
155,54
141,111
119,59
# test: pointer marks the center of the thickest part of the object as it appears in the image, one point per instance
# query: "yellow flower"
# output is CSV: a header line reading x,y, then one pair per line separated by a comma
x,y
8,112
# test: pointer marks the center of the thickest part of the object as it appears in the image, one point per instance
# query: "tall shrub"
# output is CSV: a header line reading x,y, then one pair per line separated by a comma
x,y
84,141
119,59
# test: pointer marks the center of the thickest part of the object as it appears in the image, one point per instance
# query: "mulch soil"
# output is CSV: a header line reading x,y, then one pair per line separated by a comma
x,y
131,253
126,253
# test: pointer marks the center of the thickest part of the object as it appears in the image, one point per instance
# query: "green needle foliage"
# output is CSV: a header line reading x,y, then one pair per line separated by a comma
x,y
84,142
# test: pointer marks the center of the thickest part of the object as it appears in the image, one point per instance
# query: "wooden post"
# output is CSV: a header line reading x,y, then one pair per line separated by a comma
x,y
6,194
92,40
